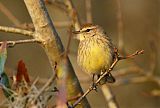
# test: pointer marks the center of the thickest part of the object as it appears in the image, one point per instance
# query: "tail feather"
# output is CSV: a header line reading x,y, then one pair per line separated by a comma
x,y
107,79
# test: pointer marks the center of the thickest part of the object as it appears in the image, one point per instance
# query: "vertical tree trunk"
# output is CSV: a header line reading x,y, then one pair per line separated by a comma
x,y
45,31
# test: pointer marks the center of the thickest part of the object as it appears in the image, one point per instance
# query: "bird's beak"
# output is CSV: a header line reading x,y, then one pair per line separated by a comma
x,y
75,32
77,36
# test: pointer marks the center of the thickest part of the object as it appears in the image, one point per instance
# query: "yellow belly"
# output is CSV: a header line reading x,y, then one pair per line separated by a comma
x,y
98,59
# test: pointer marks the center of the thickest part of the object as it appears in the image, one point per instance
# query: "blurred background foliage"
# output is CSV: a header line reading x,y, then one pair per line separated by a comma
x,y
141,25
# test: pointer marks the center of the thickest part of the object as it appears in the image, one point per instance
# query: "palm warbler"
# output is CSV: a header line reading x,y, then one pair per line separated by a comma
x,y
95,52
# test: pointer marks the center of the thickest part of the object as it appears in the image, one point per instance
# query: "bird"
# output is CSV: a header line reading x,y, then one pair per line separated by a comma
x,y
95,52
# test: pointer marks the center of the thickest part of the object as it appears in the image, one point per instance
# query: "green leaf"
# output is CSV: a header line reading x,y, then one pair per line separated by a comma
x,y
3,56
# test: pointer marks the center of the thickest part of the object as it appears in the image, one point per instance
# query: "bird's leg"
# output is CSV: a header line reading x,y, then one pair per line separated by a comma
x,y
94,87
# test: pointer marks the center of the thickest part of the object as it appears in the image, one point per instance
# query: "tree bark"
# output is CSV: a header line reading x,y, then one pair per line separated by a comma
x,y
46,33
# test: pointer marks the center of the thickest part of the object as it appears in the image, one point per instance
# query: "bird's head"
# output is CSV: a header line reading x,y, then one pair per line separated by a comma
x,y
88,31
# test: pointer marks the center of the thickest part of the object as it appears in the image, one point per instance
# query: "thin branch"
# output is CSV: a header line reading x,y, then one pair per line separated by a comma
x,y
58,4
73,14
69,41
88,4
104,74
13,19
13,43
44,87
16,30
109,96
132,55
8,13
138,79
153,56
120,26
127,70
74,97
49,82
62,23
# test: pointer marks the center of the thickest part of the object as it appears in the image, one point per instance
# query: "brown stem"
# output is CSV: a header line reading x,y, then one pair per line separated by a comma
x,y
13,43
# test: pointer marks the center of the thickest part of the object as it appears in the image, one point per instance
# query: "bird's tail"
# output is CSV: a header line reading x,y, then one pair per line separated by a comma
x,y
107,79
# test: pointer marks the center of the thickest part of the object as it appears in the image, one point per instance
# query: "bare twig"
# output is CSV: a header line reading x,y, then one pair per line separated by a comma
x,y
153,56
138,79
88,4
49,82
44,87
10,16
13,43
13,19
69,41
73,14
62,23
109,96
120,26
59,4
58,24
127,70
132,55
104,74
74,97
16,30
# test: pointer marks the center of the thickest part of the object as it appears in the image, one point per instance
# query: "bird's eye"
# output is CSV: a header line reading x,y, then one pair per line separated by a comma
x,y
88,30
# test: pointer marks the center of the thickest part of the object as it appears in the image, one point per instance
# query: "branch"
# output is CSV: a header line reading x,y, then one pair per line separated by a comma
x,y
49,82
120,26
16,30
8,13
109,96
13,43
47,34
73,14
117,58
88,4
138,79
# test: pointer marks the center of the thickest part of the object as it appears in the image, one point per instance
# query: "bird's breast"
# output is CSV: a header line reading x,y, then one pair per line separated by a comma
x,y
93,58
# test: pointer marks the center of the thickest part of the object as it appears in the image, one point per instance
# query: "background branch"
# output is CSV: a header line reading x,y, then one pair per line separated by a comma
x,y
10,16
13,43
110,98
120,26
16,30
88,4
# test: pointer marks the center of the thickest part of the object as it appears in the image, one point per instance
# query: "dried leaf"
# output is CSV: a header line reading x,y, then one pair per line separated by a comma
x,y
22,72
